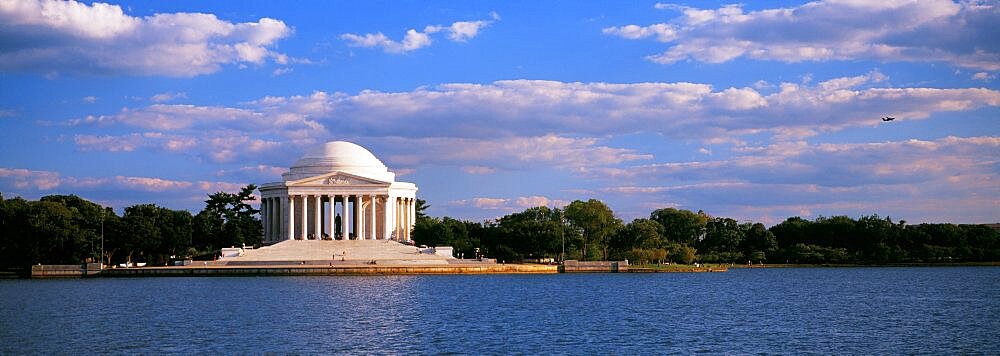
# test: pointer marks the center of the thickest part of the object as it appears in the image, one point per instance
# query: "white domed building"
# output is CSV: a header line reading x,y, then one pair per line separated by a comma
x,y
338,190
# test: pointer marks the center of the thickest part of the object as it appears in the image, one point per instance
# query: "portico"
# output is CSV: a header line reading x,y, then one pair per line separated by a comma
x,y
338,191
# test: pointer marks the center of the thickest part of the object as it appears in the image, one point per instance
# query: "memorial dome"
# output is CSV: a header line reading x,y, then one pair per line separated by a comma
x,y
339,156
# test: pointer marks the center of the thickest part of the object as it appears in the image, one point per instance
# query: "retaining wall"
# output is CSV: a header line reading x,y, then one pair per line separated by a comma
x,y
65,271
571,266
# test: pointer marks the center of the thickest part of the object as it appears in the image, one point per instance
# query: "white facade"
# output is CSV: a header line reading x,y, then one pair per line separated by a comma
x,y
338,182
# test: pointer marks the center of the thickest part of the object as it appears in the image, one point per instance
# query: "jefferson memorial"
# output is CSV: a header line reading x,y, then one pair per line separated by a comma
x,y
338,190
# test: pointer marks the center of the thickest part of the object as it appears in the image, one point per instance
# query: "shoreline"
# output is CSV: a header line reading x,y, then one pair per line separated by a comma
x,y
348,269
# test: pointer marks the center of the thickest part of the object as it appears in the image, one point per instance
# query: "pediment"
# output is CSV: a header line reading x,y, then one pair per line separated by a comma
x,y
337,179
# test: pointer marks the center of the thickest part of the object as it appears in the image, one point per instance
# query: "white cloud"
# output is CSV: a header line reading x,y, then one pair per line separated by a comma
x,y
281,71
984,76
413,40
482,156
216,146
28,179
459,31
52,37
255,170
687,110
172,117
918,31
32,180
168,96
521,124
89,99
508,204
830,167
948,179
462,31
478,170
663,32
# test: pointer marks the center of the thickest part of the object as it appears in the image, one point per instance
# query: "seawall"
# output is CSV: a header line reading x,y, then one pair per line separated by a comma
x,y
320,270
65,271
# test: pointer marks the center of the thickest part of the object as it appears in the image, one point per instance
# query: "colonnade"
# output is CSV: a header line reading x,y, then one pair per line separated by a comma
x,y
315,216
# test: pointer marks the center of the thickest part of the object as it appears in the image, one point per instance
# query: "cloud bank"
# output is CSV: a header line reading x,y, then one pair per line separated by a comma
x,y
521,123
54,37
962,34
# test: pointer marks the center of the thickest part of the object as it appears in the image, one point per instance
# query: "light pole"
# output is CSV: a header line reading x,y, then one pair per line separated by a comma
x,y
102,237
562,232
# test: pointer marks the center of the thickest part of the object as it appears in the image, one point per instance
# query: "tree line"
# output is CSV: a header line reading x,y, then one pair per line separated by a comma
x,y
67,229
589,230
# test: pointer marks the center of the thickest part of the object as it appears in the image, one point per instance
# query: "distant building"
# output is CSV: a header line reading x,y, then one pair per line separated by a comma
x,y
338,190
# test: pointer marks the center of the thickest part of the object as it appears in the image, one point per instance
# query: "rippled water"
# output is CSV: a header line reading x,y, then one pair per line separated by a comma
x,y
819,310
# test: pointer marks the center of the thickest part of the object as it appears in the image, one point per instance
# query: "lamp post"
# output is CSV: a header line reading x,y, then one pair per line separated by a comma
x,y
562,232
102,238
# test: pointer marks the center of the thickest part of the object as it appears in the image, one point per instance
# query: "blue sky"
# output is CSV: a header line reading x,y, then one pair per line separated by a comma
x,y
758,112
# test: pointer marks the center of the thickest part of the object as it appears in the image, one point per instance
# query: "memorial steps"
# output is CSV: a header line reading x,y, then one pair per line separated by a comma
x,y
338,250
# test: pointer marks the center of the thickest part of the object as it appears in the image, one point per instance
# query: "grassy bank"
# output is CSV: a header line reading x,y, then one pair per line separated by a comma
x,y
676,267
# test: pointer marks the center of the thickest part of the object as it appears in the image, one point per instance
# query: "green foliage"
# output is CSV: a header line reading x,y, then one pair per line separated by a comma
x,y
420,207
683,253
58,229
153,233
640,234
65,229
680,225
534,233
229,220
596,224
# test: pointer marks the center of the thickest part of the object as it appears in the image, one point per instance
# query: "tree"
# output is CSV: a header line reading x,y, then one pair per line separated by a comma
x,y
758,242
723,240
57,229
595,222
240,224
638,236
683,253
535,232
420,206
154,233
680,225
140,231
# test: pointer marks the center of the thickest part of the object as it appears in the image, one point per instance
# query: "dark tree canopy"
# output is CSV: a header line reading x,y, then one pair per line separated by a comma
x,y
66,229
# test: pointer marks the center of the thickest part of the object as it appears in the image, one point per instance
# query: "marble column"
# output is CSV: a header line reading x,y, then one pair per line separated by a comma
x,y
275,225
409,218
291,217
356,216
371,217
329,214
343,218
387,223
317,216
301,234
403,218
265,218
360,208
400,218
276,220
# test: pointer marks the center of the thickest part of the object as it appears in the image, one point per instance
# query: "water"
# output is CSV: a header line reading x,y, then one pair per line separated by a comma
x,y
952,310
